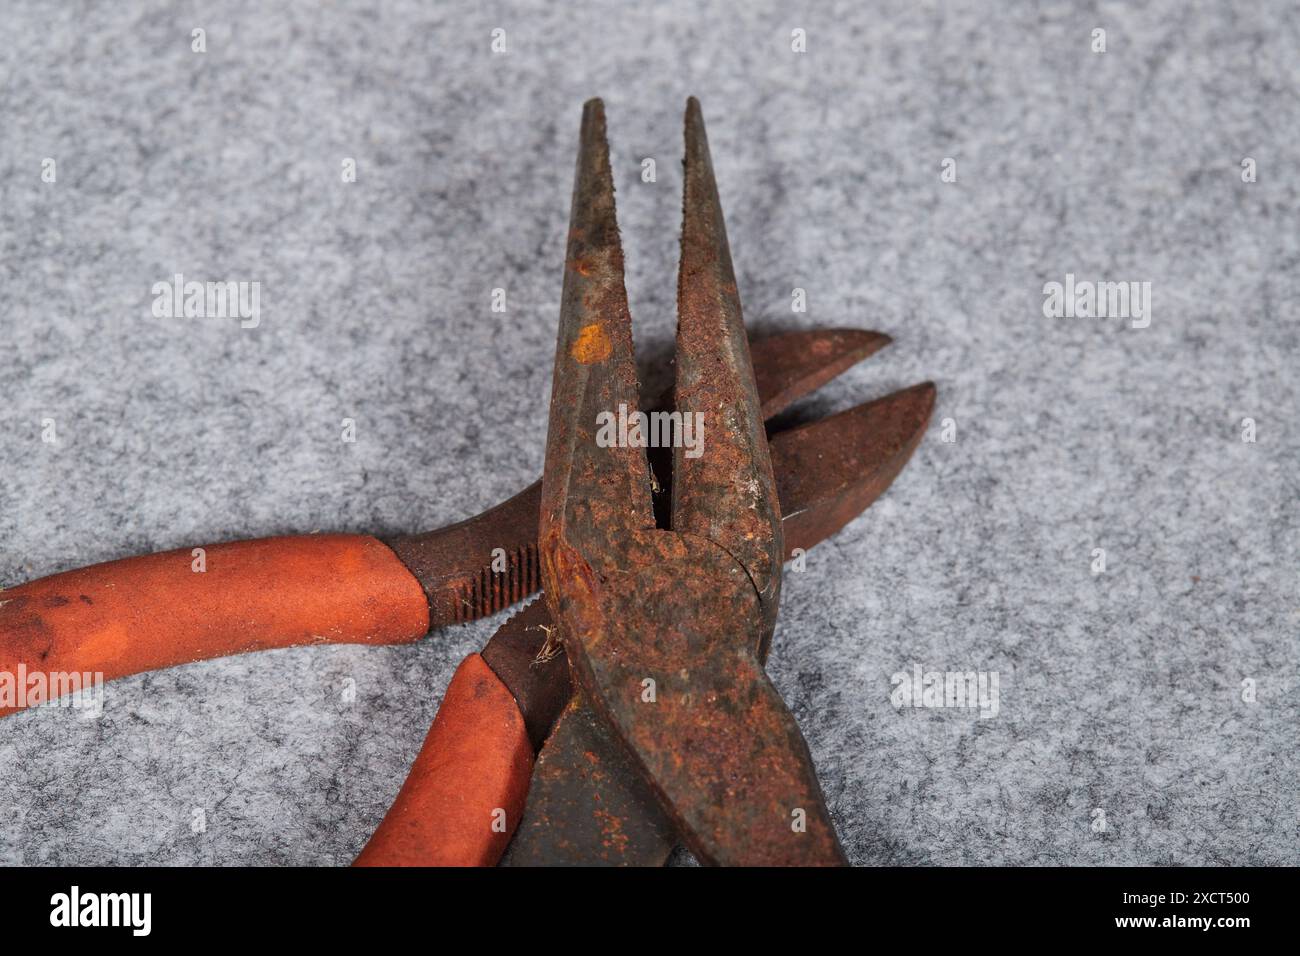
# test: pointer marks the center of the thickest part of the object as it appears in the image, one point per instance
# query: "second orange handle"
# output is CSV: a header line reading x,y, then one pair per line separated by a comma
x,y
466,791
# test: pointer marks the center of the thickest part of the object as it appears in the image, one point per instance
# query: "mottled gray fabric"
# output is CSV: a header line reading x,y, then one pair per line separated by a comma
x,y
1120,691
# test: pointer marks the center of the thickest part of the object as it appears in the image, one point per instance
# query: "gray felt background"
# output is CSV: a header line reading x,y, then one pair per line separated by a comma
x,y
1120,691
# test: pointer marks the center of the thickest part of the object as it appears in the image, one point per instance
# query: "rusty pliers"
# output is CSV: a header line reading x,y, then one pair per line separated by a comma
x,y
666,624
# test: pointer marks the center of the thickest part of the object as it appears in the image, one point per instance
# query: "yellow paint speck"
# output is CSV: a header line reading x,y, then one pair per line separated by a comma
x,y
592,344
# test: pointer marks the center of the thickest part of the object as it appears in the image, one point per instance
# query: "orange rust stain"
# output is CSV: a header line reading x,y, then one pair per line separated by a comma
x,y
592,344
611,830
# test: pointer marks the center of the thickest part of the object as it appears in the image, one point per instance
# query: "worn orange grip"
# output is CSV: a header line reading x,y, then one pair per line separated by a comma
x,y
140,614
465,793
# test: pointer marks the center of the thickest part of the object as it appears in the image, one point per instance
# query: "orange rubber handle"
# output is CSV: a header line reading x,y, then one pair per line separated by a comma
x,y
466,790
145,613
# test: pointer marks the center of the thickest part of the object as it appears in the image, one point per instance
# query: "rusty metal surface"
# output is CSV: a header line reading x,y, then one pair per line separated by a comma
x,y
710,732
790,365
587,804
540,684
727,494
831,470
597,497
664,628
454,564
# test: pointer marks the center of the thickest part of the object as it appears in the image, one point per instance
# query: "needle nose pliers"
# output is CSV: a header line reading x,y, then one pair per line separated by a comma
x,y
666,623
